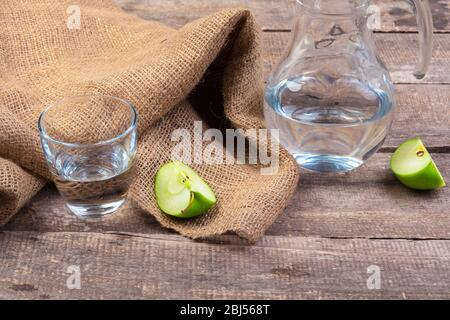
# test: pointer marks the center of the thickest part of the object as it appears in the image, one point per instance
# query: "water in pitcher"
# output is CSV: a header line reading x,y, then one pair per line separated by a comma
x,y
334,131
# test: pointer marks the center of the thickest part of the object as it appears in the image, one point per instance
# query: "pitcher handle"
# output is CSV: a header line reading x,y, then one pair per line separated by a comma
x,y
425,24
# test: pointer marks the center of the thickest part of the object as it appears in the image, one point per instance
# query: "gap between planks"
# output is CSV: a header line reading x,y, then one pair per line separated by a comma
x,y
228,239
274,30
267,241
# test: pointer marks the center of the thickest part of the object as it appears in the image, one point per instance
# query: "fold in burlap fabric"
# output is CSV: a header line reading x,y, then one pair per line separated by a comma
x,y
214,63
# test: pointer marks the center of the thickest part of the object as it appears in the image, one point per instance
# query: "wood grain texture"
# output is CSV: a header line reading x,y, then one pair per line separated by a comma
x,y
396,15
319,248
34,266
367,203
422,110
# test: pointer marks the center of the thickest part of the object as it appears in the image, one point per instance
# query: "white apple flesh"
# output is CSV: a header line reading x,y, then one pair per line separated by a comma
x,y
181,192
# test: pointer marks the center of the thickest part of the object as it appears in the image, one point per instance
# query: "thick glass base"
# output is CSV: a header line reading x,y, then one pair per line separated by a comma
x,y
88,211
327,163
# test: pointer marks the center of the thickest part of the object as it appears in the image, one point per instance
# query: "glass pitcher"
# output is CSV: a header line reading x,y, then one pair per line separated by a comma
x,y
331,97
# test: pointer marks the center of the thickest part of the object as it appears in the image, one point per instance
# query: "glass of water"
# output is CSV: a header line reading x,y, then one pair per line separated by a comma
x,y
90,145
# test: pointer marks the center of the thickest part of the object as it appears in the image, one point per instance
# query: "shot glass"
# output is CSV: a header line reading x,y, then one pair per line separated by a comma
x,y
90,145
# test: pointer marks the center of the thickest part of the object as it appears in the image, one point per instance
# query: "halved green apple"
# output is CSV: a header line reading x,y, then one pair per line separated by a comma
x,y
181,192
413,166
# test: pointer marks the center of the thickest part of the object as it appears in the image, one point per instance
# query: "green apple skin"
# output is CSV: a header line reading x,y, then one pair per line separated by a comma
x,y
426,179
194,196
414,171
197,207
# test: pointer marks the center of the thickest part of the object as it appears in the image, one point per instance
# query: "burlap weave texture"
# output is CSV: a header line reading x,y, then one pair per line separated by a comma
x,y
158,69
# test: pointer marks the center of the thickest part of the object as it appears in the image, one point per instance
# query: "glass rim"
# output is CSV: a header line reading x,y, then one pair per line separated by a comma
x,y
364,4
131,127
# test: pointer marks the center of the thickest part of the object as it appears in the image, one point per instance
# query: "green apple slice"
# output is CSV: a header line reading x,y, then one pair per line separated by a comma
x,y
181,192
414,167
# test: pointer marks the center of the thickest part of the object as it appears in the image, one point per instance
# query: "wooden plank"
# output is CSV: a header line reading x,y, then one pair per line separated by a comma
x,y
277,14
34,266
129,255
398,51
367,203
422,110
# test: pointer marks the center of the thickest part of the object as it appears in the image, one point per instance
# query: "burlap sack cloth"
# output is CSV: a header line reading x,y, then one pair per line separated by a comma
x,y
215,61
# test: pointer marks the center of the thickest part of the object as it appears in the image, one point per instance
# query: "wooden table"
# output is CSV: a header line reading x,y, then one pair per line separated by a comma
x,y
322,245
